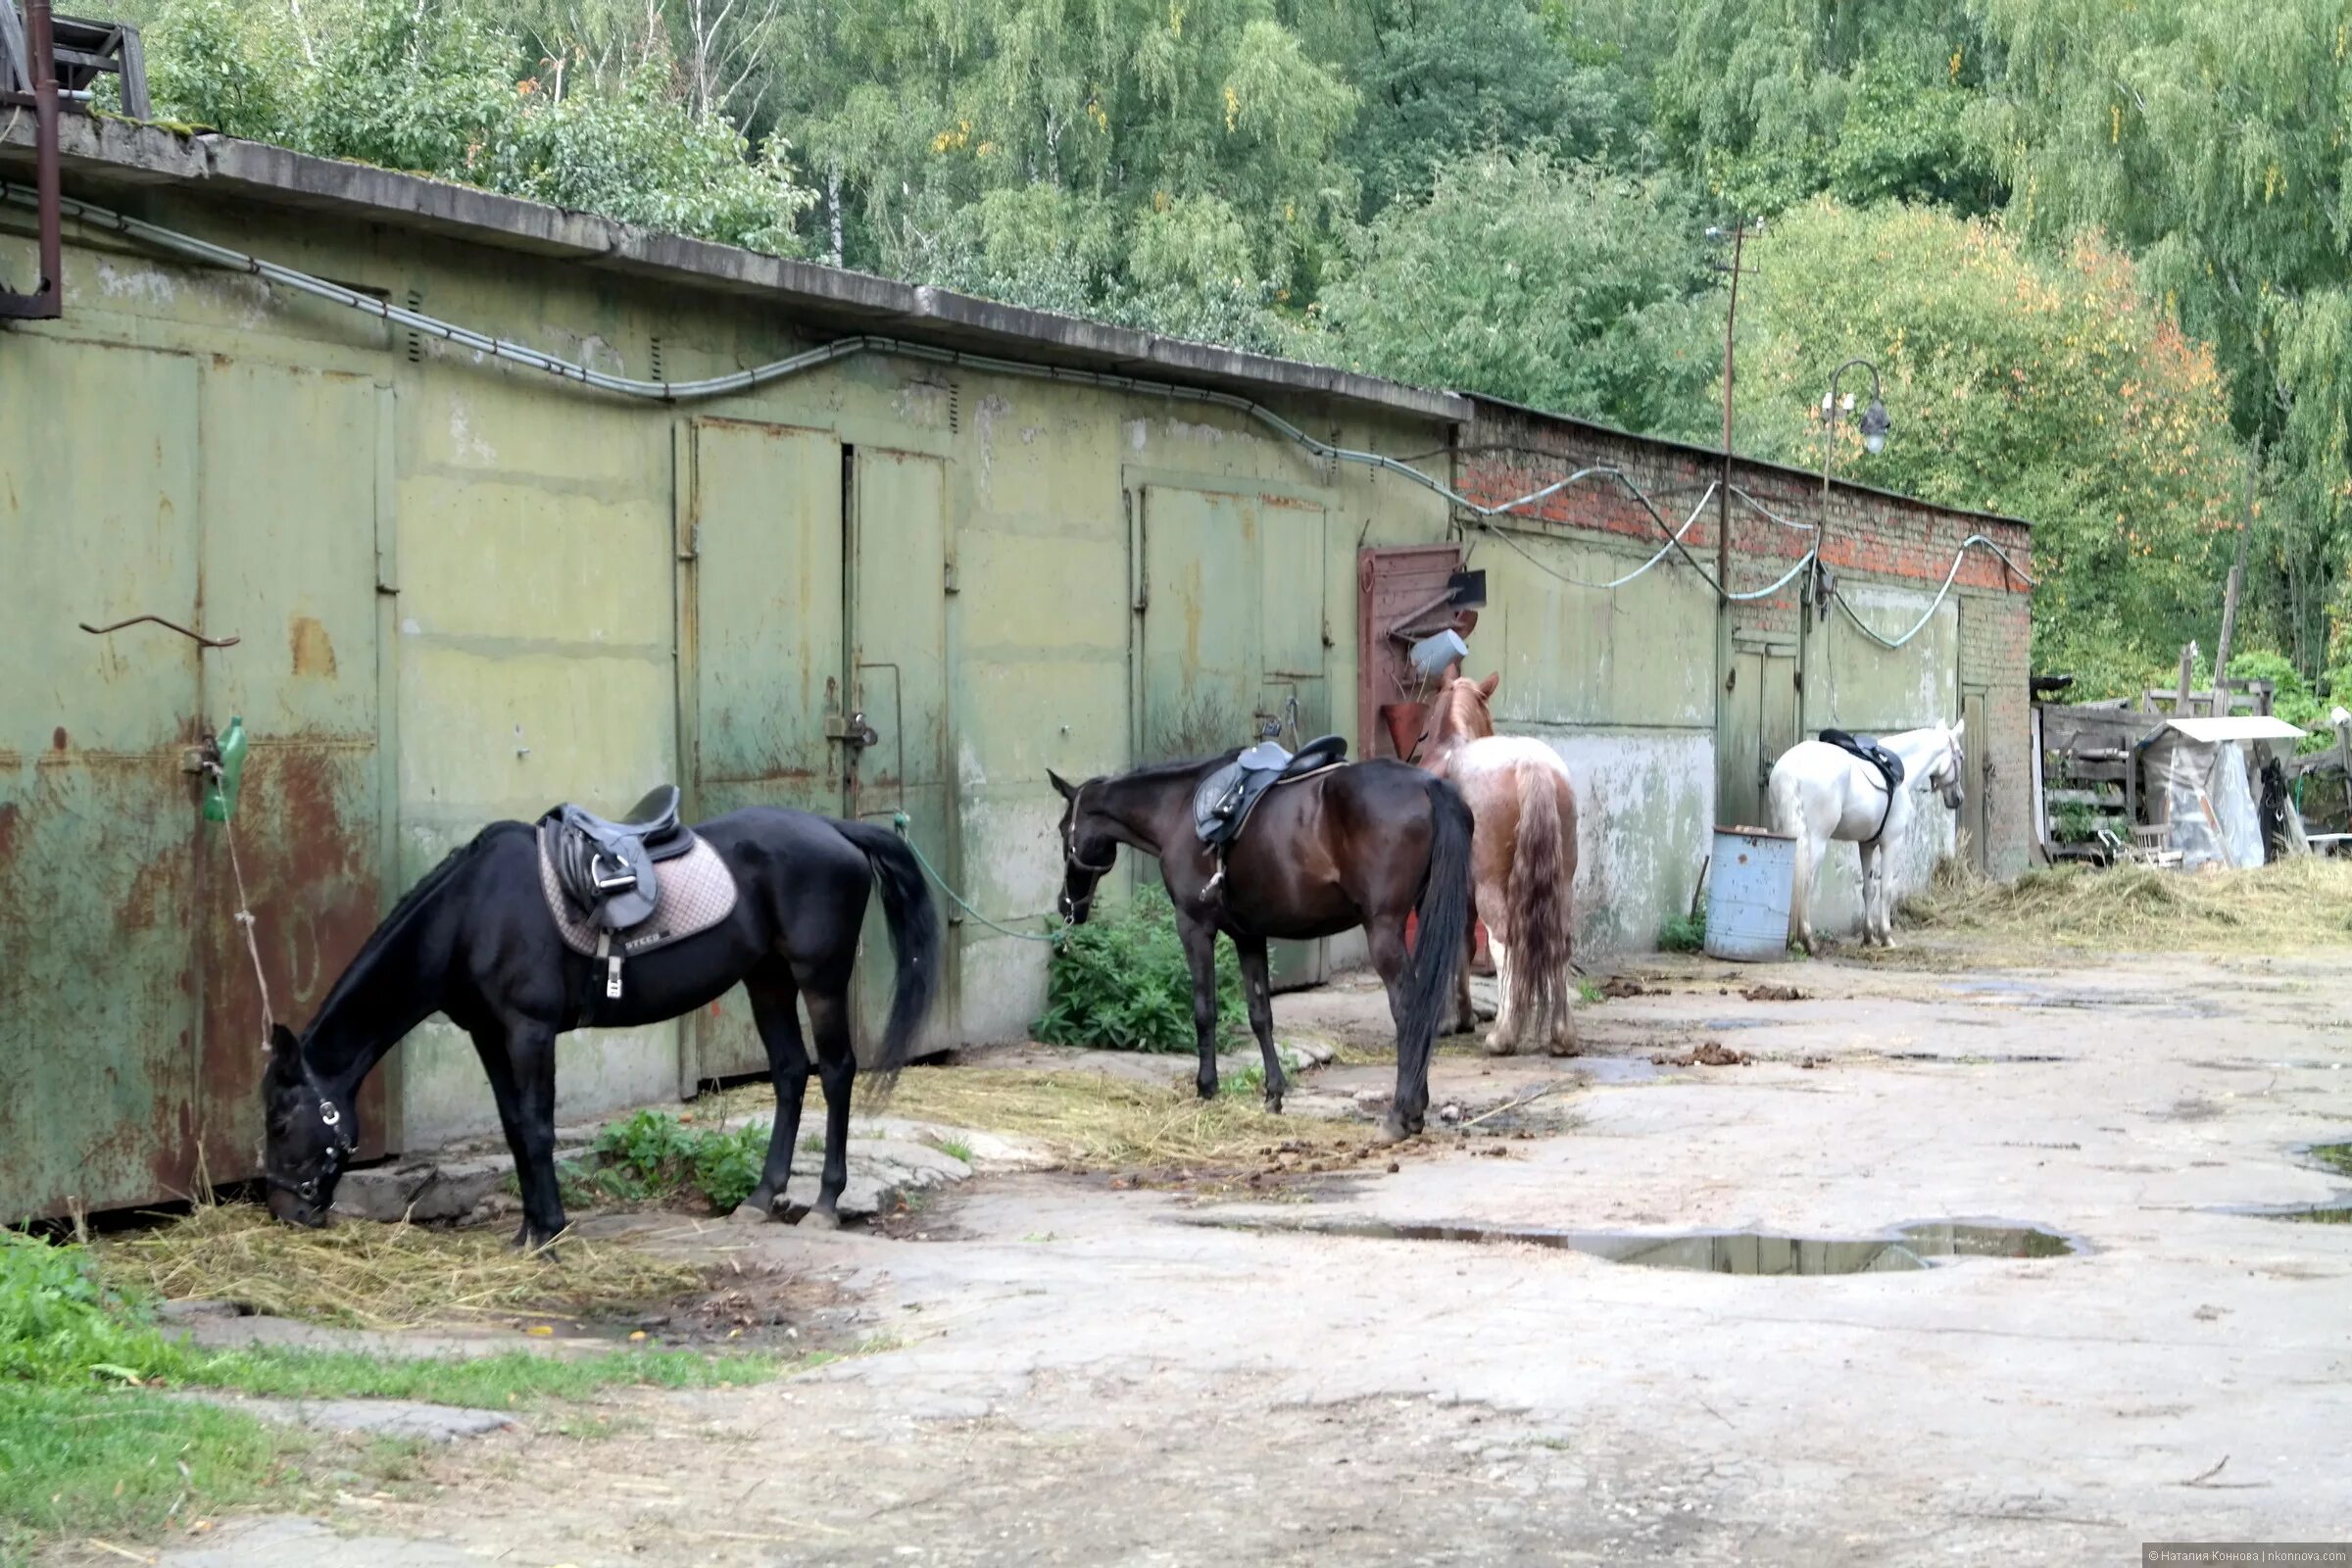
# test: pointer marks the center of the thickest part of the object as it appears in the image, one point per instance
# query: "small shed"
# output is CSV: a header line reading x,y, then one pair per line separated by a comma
x,y
2198,786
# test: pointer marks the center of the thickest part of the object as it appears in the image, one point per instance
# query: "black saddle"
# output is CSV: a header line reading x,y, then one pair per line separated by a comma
x,y
606,868
1867,748
1222,804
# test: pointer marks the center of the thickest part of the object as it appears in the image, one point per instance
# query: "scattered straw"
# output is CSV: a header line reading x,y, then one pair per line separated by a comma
x,y
2292,903
1098,1122
371,1276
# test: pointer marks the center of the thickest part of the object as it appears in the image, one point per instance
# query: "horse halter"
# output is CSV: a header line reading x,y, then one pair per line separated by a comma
x,y
1072,861
339,1147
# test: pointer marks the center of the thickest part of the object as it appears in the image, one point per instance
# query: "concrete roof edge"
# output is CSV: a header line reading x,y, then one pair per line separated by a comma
x,y
1716,453
114,152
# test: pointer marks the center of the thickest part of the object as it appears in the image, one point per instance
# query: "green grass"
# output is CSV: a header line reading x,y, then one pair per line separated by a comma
x,y
88,1442
2337,1157
95,1461
956,1147
1588,991
505,1381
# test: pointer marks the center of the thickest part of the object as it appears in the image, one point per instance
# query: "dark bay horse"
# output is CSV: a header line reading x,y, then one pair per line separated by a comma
x,y
474,940
1366,845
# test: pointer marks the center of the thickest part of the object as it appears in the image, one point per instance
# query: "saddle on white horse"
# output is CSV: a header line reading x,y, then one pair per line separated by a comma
x,y
1889,766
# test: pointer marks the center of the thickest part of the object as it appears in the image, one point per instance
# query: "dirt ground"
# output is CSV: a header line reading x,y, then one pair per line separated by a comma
x,y
1066,1371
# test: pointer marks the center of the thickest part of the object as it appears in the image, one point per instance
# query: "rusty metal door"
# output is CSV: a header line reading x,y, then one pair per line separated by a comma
x,y
898,681
99,995
760,651
297,581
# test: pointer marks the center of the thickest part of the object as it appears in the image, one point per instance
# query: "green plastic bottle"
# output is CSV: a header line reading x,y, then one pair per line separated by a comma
x,y
221,794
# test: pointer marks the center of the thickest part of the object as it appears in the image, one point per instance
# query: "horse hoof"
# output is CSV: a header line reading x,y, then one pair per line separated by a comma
x,y
821,1219
1273,1105
1390,1131
751,1211
1495,1045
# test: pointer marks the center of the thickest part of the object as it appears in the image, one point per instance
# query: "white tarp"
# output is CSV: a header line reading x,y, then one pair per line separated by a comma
x,y
2201,786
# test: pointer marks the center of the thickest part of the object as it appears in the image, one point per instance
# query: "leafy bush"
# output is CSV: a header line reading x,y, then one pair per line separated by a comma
x,y
1122,984
653,1154
1684,933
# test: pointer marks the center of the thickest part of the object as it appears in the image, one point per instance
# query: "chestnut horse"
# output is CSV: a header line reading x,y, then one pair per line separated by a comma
x,y
1523,858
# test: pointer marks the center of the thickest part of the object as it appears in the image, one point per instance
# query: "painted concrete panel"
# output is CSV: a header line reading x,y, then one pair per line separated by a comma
x,y
1644,802
503,558
488,735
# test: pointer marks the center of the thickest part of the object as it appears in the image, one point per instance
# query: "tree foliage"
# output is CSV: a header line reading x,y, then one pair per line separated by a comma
x,y
1767,102
442,88
2051,388
1559,285
2210,137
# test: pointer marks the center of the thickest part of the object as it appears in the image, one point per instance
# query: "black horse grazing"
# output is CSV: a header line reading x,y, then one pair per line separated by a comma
x,y
476,940
1365,845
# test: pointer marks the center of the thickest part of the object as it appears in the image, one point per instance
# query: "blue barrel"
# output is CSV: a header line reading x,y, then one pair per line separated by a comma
x,y
1748,882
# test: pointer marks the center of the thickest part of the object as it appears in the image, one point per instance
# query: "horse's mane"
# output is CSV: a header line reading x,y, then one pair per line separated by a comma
x,y
1184,768
1456,713
410,903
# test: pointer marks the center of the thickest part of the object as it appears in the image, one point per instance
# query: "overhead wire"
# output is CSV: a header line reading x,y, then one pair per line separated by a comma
x,y
505,350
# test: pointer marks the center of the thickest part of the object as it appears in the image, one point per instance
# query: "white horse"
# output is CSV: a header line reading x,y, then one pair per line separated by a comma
x,y
1821,792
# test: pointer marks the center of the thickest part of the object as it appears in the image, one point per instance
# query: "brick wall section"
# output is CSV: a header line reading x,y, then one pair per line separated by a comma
x,y
1507,452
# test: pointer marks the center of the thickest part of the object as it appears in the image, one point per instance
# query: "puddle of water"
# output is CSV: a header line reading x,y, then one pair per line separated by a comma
x,y
1617,1069
2337,1212
1906,1249
1972,1058
1743,1023
2336,1158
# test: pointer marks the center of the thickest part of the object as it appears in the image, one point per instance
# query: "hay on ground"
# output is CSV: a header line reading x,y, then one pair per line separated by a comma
x,y
1098,1122
2297,903
362,1275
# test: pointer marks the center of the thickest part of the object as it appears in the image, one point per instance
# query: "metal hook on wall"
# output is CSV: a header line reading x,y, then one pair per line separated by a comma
x,y
199,637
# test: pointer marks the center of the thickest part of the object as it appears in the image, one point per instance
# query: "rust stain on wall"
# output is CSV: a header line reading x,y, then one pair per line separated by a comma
x,y
314,650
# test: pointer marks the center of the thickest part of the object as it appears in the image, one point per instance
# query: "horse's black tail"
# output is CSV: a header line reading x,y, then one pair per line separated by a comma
x,y
1442,942
913,921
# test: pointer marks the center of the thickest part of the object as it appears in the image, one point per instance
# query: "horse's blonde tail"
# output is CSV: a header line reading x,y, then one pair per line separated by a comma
x,y
1788,805
1537,899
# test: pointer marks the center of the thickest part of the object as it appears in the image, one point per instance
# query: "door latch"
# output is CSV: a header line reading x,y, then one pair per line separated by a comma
x,y
854,731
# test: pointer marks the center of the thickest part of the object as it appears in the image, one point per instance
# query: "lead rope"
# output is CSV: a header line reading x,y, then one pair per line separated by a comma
x,y
901,822
245,921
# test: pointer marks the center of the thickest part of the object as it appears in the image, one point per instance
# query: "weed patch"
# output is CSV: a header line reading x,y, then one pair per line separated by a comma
x,y
1683,933
1122,984
654,1156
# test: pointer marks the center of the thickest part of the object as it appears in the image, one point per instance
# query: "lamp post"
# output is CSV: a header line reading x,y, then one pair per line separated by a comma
x,y
1876,427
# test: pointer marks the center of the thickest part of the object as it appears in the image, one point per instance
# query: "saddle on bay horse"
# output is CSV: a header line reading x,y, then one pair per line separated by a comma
x,y
1223,804
603,887
1889,766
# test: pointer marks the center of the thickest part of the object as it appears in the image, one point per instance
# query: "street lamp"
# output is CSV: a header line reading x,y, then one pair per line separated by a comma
x,y
1876,426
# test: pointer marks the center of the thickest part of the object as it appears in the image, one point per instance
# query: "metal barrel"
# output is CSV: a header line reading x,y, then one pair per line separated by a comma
x,y
1749,886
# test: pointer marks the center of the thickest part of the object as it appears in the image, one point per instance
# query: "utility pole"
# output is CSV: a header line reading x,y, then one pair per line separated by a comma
x,y
1723,493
